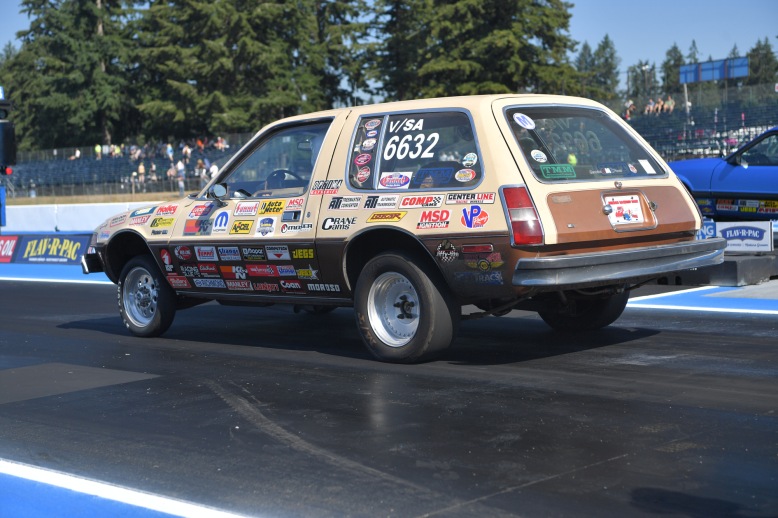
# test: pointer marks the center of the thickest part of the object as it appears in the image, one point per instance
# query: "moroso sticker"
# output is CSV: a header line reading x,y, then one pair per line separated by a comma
x,y
470,160
277,252
363,159
434,219
325,187
200,211
233,272
469,198
184,253
474,217
206,253
254,253
245,208
266,226
229,253
166,260
324,287
464,175
363,174
242,226
261,270
209,283
221,222
239,285
417,202
382,202
178,281
372,124
272,207
394,180
7,246
167,210
386,217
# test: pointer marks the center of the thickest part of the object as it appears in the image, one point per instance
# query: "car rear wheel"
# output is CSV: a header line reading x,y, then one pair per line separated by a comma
x,y
405,313
586,313
147,303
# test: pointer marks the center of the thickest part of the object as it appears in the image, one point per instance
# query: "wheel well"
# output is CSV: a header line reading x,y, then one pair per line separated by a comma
x,y
120,250
369,244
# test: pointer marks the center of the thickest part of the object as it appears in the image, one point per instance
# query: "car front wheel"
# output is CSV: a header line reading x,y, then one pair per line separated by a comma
x,y
147,303
404,311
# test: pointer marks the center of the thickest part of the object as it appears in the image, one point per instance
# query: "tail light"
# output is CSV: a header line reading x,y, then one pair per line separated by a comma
x,y
525,223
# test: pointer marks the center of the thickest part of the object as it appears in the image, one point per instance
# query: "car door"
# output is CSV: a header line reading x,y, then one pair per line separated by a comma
x,y
259,238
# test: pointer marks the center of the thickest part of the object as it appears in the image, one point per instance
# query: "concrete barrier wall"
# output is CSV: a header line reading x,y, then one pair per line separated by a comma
x,y
78,217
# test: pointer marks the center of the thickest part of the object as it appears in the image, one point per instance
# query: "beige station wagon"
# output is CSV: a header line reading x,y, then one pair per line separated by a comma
x,y
408,211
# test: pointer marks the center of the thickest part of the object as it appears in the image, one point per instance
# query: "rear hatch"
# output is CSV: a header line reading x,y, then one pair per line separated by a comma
x,y
591,178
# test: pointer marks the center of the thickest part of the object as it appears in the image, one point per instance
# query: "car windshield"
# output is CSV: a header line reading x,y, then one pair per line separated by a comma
x,y
578,144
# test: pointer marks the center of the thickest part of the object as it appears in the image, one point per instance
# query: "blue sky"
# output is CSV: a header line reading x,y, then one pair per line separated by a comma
x,y
639,30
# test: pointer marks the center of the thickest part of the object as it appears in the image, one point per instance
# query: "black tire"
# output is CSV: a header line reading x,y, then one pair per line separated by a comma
x,y
586,314
147,303
404,310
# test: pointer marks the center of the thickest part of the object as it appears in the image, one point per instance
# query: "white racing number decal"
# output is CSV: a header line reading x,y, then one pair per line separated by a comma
x,y
413,144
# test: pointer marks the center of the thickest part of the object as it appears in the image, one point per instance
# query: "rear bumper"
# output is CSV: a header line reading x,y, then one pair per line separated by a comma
x,y
618,266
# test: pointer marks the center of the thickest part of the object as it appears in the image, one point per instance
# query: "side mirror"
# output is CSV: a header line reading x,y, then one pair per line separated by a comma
x,y
218,191
735,159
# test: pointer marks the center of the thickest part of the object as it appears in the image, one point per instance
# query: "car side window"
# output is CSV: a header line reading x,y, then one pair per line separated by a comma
x,y
280,165
764,152
415,151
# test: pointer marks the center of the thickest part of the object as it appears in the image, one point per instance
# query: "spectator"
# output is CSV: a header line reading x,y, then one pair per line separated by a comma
x,y
214,170
649,109
181,177
669,104
201,172
187,152
142,174
659,106
629,107
153,172
98,152
76,155
169,151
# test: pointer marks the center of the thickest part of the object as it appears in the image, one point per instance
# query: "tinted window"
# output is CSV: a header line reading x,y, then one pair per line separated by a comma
x,y
414,151
569,144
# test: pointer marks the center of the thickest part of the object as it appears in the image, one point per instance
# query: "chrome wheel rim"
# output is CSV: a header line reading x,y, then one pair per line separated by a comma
x,y
393,309
140,296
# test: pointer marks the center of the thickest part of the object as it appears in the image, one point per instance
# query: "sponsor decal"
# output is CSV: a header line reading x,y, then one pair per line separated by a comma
x,y
538,156
148,211
286,270
159,232
388,201
266,227
295,203
201,211
242,226
484,262
167,261
208,269
368,144
162,222
372,124
198,227
469,198
277,252
308,274
371,134
416,202
464,175
291,286
206,253
189,270
265,286
167,210
345,202
752,236
118,220
470,160
363,174
557,171
434,219
184,253
446,252
272,207
743,233
321,187
385,217
105,235
209,283
437,175
139,220
363,159
239,285
233,272
229,253
7,246
483,278
406,125
291,228
178,282
474,217
261,270
394,180
246,208
338,223
302,253
524,121
324,287
253,253
221,222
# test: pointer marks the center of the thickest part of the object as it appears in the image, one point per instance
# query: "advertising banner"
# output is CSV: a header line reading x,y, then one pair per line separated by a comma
x,y
747,236
7,247
51,248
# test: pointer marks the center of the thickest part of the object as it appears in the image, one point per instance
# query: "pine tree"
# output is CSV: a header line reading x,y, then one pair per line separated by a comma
x,y
606,70
762,64
671,70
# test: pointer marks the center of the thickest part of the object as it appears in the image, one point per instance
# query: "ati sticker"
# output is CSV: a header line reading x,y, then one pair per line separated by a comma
x,y
394,180
524,121
345,202
474,217
446,252
382,202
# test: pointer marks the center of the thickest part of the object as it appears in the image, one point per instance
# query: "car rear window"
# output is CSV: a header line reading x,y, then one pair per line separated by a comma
x,y
564,144
415,151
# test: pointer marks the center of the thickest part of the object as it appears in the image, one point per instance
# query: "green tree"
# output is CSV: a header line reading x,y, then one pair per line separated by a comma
x,y
671,70
762,64
693,56
606,70
584,65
